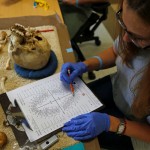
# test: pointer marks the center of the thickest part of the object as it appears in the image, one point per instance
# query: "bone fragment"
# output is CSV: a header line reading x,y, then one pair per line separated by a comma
x,y
3,37
3,79
3,42
8,67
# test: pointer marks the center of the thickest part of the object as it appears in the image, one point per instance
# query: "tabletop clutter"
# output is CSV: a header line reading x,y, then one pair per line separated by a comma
x,y
29,52
41,3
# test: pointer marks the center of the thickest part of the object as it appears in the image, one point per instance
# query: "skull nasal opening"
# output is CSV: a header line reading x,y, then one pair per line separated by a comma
x,y
38,38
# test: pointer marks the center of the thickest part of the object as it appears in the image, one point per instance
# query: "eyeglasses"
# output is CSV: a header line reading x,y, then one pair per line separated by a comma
x,y
139,42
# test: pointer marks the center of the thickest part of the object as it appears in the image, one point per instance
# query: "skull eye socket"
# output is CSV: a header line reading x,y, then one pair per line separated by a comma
x,y
38,38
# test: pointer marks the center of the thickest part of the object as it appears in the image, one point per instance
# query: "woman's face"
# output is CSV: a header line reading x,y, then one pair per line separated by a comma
x,y
138,30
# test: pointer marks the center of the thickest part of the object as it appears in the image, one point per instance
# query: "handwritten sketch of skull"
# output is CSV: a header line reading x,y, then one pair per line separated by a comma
x,y
28,48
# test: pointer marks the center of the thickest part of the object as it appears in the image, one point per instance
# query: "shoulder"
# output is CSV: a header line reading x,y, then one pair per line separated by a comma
x,y
116,45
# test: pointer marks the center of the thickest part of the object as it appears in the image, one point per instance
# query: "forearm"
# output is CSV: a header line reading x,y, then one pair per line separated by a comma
x,y
82,2
108,58
133,129
91,1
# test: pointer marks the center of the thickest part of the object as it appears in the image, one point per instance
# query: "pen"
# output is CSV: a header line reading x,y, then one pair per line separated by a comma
x,y
71,85
24,121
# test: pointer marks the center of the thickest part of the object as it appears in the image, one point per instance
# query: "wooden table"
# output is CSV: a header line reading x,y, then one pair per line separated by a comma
x,y
18,8
15,8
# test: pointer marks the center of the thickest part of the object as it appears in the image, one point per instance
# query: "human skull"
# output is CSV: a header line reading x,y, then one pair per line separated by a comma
x,y
28,48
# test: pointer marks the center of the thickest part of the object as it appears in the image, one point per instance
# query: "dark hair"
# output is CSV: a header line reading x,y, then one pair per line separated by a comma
x,y
142,8
141,103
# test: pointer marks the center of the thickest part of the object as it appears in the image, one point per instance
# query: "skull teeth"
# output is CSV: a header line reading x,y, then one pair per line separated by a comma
x,y
19,25
17,32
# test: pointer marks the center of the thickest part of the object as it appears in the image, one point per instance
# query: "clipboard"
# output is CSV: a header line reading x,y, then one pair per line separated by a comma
x,y
51,95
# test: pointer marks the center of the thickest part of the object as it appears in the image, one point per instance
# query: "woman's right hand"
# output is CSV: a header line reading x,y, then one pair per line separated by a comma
x,y
76,69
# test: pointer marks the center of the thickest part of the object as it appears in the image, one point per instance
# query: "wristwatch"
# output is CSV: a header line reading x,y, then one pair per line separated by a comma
x,y
122,127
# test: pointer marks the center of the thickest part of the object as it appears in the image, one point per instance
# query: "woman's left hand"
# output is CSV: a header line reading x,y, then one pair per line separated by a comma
x,y
87,126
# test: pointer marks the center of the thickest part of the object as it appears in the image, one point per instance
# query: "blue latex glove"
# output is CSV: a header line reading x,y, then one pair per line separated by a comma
x,y
76,69
87,126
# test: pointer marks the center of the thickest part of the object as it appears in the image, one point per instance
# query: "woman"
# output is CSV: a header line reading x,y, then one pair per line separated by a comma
x,y
125,94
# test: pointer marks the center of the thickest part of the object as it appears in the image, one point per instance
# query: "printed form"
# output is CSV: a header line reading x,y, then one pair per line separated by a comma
x,y
48,103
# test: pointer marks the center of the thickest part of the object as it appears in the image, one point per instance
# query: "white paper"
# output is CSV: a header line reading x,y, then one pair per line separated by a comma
x,y
48,103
